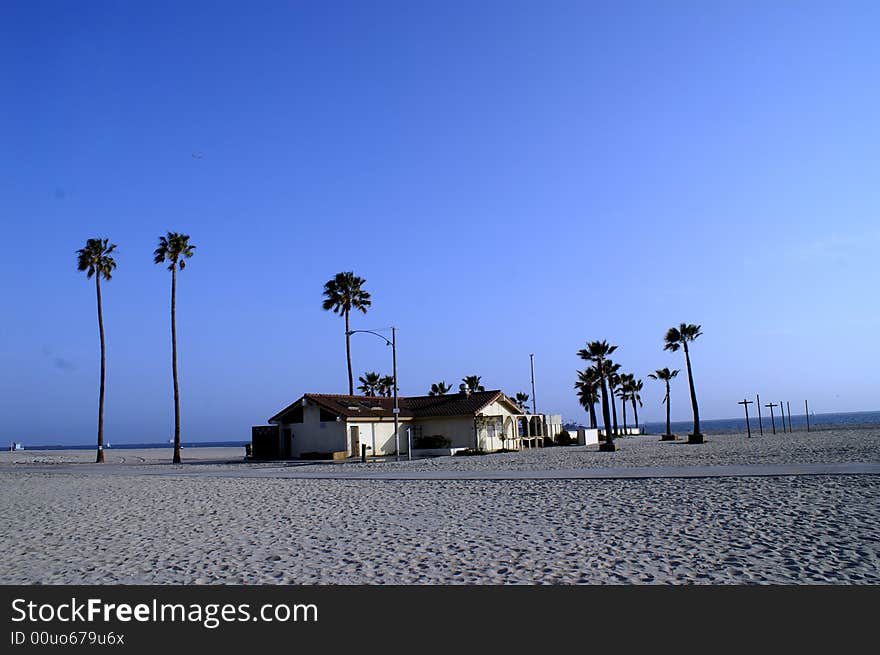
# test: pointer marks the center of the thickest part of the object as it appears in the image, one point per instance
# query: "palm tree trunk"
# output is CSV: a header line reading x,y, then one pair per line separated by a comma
x,y
348,355
593,416
694,406
100,456
623,404
635,411
613,410
606,417
176,459
668,422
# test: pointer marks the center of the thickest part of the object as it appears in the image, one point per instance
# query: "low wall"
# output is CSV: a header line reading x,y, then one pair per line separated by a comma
x,y
587,436
435,452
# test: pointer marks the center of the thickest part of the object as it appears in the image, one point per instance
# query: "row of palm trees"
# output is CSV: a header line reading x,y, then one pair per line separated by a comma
x,y
97,260
620,385
602,381
373,384
469,384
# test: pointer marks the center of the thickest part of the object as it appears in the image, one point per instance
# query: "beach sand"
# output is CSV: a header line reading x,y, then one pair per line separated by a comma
x,y
63,526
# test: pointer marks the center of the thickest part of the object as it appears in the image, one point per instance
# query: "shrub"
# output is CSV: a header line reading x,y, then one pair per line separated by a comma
x,y
564,438
434,441
471,451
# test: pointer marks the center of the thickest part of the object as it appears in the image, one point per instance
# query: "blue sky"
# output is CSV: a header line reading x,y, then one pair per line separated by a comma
x,y
509,177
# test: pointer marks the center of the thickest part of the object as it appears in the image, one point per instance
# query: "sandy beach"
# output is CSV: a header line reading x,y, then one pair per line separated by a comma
x,y
141,520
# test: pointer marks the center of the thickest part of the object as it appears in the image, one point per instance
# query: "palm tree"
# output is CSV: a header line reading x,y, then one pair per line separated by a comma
x,y
598,352
440,388
588,391
369,383
666,376
472,383
623,394
522,400
611,372
635,396
342,294
176,249
96,259
679,338
386,386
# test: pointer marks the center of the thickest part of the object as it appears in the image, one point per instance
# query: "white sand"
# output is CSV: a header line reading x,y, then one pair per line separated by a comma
x,y
65,527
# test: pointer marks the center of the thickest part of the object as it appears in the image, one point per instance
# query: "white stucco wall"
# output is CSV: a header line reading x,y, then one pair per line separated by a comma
x,y
458,429
313,435
379,435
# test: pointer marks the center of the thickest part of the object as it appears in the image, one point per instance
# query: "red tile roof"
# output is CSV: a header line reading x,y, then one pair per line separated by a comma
x,y
456,404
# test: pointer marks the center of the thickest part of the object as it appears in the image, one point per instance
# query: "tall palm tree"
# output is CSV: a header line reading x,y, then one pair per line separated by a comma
x,y
174,248
598,353
666,376
386,386
677,338
440,388
588,391
96,260
522,399
472,383
342,294
369,383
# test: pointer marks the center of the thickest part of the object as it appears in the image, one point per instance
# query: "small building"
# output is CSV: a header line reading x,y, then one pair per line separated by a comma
x,y
333,426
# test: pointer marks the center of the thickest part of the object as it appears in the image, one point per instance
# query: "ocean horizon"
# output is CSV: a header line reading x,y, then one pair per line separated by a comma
x,y
828,421
132,446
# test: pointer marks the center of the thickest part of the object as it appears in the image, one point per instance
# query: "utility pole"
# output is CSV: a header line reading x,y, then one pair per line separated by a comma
x,y
772,420
745,403
807,413
534,402
760,420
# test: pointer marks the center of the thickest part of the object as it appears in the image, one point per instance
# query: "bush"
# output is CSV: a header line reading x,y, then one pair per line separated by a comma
x,y
434,441
548,442
564,438
471,451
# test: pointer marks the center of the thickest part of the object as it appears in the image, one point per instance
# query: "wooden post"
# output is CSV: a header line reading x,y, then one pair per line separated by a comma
x,y
782,412
807,413
772,420
788,407
760,420
745,403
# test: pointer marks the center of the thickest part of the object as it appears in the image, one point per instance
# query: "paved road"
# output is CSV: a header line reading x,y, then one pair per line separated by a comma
x,y
336,472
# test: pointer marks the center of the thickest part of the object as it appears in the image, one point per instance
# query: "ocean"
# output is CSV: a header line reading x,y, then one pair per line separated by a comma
x,y
848,420
130,446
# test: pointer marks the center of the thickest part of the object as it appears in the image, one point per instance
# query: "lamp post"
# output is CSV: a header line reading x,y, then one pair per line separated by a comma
x,y
534,402
396,410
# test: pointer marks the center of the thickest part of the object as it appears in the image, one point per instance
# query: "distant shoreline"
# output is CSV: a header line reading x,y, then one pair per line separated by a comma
x,y
864,419
133,446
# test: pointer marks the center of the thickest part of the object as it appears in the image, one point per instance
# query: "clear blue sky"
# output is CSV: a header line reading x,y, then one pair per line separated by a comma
x,y
509,177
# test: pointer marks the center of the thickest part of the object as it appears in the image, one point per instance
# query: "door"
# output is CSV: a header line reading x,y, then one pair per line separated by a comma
x,y
286,443
355,441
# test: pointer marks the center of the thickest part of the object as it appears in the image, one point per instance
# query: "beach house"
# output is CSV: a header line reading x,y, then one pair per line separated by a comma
x,y
337,426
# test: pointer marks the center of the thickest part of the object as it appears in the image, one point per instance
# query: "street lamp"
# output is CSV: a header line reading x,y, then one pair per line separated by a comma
x,y
396,410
